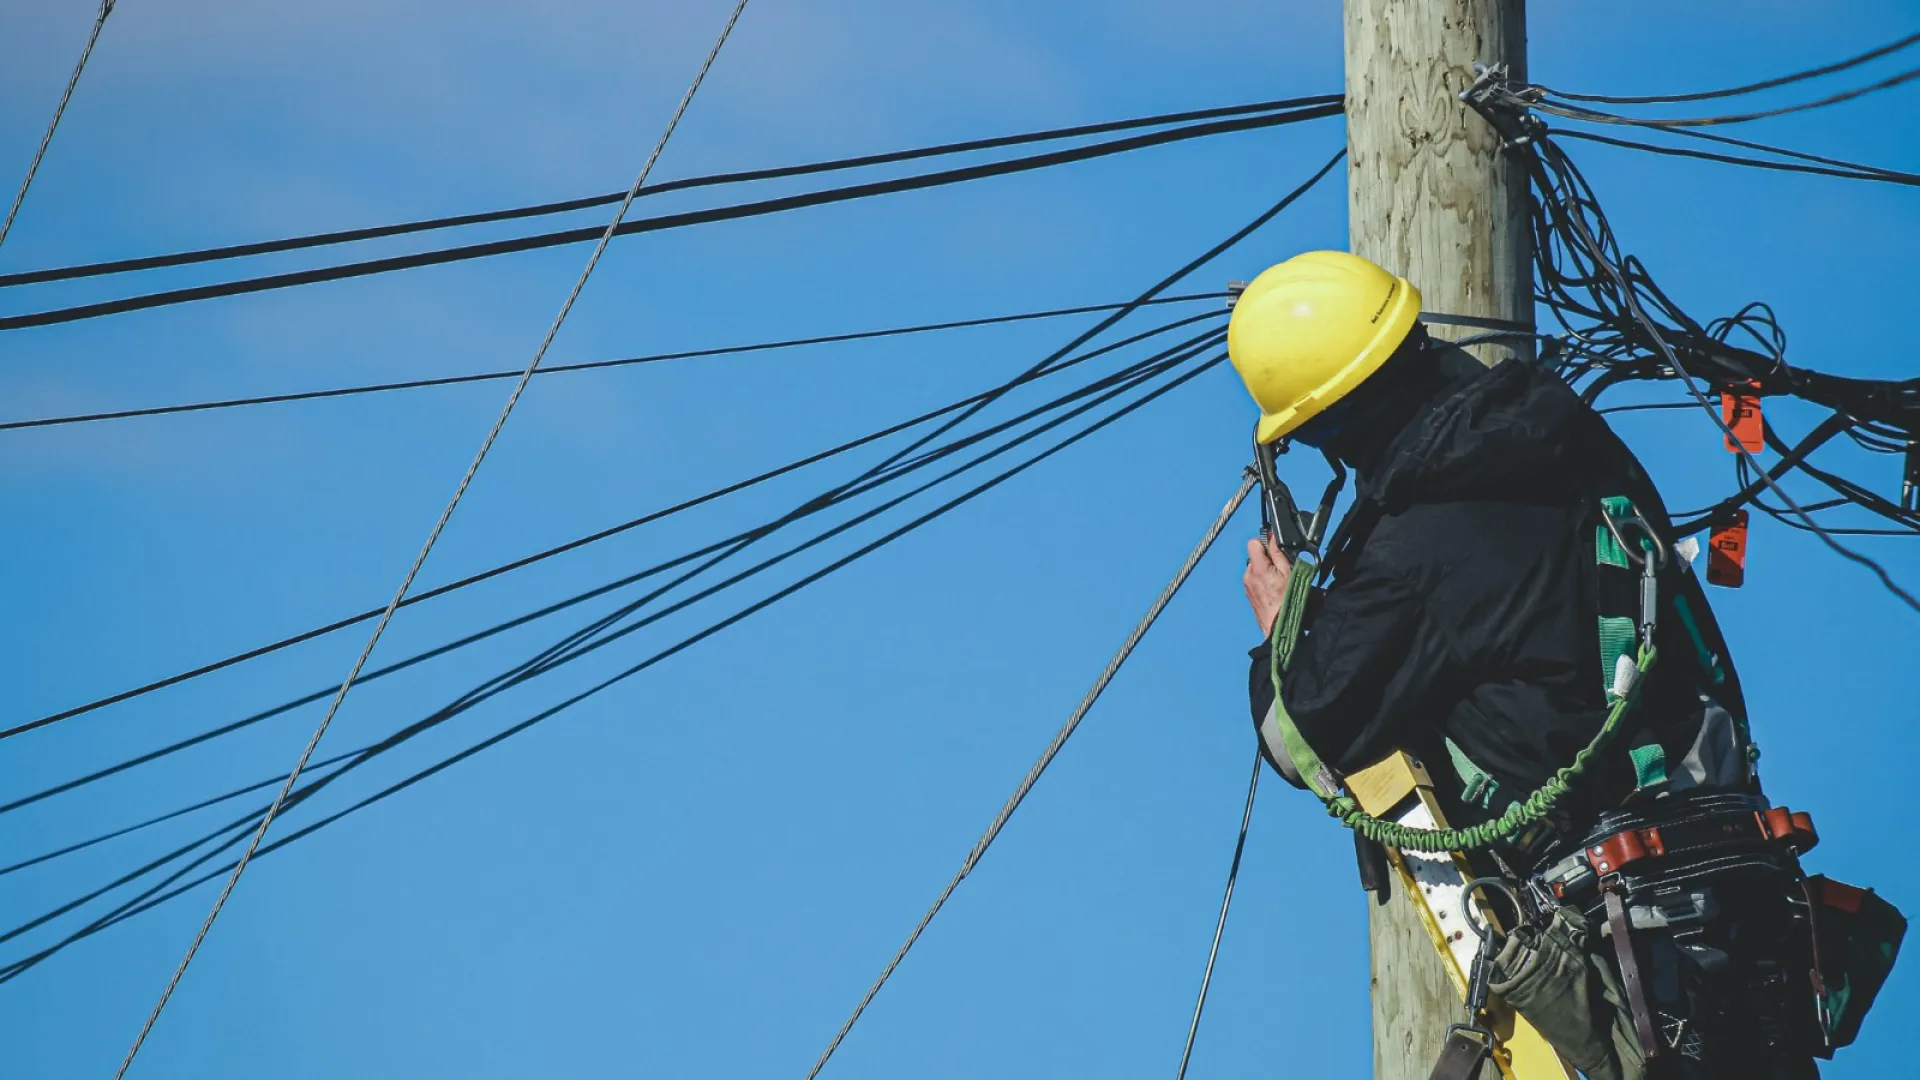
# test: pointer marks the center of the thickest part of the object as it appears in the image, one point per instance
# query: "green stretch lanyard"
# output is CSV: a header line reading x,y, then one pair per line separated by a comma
x,y
1323,782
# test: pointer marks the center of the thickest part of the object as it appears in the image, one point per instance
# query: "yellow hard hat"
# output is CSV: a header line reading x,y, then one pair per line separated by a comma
x,y
1307,331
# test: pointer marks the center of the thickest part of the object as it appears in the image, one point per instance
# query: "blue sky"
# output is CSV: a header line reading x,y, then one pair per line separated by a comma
x,y
699,872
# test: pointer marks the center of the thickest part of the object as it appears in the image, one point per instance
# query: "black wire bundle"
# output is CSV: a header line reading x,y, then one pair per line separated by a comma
x,y
1619,325
1579,107
1119,393
1127,389
1172,128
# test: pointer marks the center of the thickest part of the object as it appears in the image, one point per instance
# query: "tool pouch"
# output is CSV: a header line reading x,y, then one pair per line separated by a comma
x,y
1857,934
1547,974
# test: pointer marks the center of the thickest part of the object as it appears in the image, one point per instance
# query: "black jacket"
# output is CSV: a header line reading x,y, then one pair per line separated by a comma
x,y
1464,604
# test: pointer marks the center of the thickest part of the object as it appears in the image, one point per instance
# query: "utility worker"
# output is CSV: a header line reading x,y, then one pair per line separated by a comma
x,y
1483,588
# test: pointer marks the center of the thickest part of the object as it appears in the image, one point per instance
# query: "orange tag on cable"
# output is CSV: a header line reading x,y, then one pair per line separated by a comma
x,y
1741,413
1727,551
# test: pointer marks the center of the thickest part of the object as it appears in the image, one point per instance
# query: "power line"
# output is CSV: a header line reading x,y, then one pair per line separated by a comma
x,y
569,546
562,206
1764,84
1849,171
1220,925
99,23
757,208
1040,766
1570,223
1577,112
1044,367
157,895
124,830
545,661
966,409
715,552
594,365
1159,287
266,821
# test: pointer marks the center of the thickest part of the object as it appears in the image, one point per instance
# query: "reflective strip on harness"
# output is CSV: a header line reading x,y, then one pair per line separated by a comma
x,y
1286,634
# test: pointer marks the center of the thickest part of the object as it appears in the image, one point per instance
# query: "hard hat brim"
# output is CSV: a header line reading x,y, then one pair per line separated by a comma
x,y
1395,324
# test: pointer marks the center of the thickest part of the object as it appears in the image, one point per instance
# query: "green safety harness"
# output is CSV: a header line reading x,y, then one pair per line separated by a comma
x,y
1624,680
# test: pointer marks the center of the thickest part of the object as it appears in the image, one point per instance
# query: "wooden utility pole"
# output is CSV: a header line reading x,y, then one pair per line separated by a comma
x,y
1430,197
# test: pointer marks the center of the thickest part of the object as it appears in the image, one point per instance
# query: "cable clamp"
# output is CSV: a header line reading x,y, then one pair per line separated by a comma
x,y
1504,105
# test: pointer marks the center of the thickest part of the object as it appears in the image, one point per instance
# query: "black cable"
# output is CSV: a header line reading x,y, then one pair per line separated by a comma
x,y
1031,373
1577,112
238,827
563,206
1853,172
592,365
571,545
968,409
756,208
1161,286
726,548
1654,406
18,967
1695,520
1226,905
114,834
1764,84
1627,280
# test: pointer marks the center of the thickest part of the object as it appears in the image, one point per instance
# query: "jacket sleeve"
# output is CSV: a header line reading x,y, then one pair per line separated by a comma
x,y
1371,663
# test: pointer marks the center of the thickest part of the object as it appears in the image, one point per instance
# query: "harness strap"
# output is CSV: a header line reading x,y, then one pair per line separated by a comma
x,y
1621,932
1625,682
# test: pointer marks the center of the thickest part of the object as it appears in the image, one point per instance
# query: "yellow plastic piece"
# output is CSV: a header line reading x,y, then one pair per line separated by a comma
x,y
1307,331
1390,784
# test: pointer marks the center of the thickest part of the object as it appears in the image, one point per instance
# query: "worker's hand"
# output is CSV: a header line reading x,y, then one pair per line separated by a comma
x,y
1266,580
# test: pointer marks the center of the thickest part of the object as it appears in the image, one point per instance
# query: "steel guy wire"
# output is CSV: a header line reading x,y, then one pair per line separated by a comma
x,y
99,23
1040,766
433,535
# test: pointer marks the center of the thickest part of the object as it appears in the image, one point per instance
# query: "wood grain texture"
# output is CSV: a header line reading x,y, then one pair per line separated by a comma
x,y
1430,197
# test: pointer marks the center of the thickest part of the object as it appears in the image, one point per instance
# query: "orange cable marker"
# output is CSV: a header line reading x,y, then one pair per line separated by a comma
x,y
1741,413
1727,551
